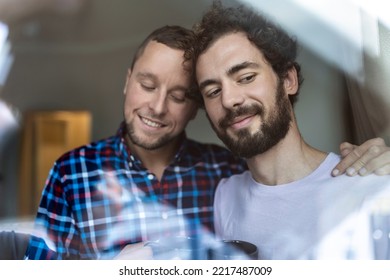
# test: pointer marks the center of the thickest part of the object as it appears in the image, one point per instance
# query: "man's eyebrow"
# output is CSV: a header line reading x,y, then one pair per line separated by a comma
x,y
183,89
236,68
146,75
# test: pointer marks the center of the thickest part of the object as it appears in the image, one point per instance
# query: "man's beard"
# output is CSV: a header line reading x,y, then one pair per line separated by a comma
x,y
271,131
148,145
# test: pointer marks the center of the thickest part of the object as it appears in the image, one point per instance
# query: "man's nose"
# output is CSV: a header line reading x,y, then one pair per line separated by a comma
x,y
158,103
231,96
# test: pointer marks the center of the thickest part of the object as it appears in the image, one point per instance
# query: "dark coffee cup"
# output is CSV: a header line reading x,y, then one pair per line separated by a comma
x,y
233,250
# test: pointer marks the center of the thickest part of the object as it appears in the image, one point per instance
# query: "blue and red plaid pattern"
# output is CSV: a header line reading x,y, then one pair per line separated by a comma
x,y
99,198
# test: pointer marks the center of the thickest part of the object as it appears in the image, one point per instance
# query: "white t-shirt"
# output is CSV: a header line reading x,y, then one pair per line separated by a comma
x,y
317,217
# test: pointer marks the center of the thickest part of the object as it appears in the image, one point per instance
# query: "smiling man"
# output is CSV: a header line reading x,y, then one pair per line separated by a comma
x,y
288,203
156,108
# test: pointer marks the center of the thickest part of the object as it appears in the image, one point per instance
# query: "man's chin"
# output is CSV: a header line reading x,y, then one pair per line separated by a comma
x,y
242,146
150,145
145,143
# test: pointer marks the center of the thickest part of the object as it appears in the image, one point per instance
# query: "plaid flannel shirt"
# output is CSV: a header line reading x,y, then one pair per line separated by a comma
x,y
83,214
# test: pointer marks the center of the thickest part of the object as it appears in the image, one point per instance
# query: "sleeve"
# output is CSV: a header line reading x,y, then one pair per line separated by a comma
x,y
55,235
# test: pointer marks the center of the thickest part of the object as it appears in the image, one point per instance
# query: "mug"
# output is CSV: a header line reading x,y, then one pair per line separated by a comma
x,y
233,250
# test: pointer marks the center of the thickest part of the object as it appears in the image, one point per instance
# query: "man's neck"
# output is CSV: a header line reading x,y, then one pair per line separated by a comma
x,y
288,161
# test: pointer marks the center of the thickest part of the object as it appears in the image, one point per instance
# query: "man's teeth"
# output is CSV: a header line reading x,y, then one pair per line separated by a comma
x,y
150,123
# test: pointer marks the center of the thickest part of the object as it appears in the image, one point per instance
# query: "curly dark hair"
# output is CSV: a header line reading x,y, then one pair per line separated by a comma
x,y
278,48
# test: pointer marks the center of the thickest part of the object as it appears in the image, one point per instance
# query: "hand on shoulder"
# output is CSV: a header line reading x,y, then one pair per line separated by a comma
x,y
373,156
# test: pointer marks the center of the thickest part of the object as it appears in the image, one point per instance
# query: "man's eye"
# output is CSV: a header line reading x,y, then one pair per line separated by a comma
x,y
148,87
212,93
247,79
178,97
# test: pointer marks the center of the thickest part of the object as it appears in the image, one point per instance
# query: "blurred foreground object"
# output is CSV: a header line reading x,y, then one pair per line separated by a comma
x,y
6,58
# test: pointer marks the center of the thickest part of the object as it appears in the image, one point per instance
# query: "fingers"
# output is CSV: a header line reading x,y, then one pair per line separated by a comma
x,y
377,160
373,156
350,155
346,148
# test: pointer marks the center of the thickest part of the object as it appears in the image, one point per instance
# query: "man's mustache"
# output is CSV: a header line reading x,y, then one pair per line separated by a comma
x,y
231,115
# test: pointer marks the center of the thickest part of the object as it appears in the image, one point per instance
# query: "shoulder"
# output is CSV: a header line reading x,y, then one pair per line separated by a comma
x,y
87,162
234,182
333,158
94,149
243,178
104,153
352,186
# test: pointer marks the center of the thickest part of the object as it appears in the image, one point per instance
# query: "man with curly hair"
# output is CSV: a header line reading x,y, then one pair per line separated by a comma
x,y
287,203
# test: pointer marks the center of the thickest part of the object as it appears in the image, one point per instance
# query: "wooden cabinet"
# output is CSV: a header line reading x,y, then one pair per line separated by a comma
x,y
46,135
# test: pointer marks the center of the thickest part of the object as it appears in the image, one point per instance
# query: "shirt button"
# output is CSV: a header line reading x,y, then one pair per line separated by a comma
x,y
150,176
130,164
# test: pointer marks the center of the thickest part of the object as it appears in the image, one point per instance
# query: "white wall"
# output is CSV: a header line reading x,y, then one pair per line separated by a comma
x,y
322,109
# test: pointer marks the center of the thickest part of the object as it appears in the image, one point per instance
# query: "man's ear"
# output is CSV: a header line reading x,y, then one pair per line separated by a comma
x,y
291,81
127,80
